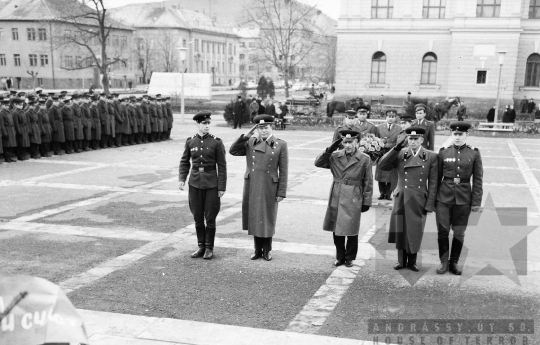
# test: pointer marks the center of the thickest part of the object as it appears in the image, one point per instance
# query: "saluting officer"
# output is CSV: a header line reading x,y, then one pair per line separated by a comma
x,y
458,164
206,186
428,126
349,124
389,133
414,195
350,194
265,182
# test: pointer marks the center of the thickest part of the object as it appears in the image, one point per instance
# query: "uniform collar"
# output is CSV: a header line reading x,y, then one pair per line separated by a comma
x,y
459,147
204,136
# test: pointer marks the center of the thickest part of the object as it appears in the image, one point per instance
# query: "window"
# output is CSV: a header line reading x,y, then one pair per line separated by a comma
x,y
196,45
78,61
481,77
532,73
242,68
434,9
213,47
242,44
33,59
115,41
488,8
184,43
44,60
429,69
31,34
242,56
378,68
17,58
1,34
251,68
207,66
534,9
234,50
40,81
202,46
123,42
68,61
252,44
382,9
42,34
230,48
3,59
15,34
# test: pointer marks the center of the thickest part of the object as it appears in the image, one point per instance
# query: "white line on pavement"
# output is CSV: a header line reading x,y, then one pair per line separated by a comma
x,y
532,182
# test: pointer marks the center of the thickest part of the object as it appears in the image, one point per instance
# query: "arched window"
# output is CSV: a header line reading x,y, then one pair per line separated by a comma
x,y
378,68
429,69
532,73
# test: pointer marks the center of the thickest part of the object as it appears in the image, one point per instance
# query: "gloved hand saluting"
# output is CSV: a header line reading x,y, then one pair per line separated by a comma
x,y
401,144
334,146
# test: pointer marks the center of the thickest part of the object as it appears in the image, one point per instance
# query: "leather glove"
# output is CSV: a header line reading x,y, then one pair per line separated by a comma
x,y
334,146
365,208
400,144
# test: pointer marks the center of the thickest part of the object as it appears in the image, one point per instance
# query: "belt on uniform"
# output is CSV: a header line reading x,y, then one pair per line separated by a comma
x,y
348,182
204,168
457,179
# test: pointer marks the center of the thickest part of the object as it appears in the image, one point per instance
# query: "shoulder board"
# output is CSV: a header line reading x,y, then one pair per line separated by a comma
x,y
189,138
213,136
472,147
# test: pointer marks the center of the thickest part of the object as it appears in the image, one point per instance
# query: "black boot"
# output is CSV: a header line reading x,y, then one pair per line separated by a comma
x,y
209,243
455,252
444,245
402,260
411,262
200,241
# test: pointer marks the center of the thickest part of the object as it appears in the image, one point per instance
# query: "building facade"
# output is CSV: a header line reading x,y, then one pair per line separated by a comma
x,y
32,53
438,49
162,28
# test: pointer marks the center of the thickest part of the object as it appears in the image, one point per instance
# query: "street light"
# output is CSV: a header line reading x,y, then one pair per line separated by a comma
x,y
502,54
182,52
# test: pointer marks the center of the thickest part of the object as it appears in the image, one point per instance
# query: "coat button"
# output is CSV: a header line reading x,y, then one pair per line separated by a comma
x,y
405,179
420,180
405,173
405,186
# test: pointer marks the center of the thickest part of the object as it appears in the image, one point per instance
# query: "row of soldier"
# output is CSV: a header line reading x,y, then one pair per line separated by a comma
x,y
35,125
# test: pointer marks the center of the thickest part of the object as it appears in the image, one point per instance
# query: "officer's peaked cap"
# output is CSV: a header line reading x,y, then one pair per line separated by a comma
x,y
202,116
460,126
415,131
349,135
263,120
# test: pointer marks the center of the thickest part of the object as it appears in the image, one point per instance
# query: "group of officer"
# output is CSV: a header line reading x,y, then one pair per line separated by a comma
x,y
38,124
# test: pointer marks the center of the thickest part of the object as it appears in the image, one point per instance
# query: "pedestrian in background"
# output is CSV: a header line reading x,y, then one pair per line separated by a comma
x,y
523,105
265,182
428,126
461,111
350,194
238,112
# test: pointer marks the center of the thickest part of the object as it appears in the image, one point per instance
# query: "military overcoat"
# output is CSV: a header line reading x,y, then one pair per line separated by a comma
x,y
78,122
265,179
57,124
9,136
414,195
352,187
391,137
45,123
96,121
69,129
34,126
21,127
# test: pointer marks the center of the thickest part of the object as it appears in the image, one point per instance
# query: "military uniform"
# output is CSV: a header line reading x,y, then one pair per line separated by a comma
x,y
206,153
413,197
385,178
429,134
455,197
9,135
265,179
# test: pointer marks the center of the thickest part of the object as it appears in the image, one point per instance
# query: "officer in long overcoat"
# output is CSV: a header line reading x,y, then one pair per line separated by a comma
x,y
389,133
87,122
207,181
428,126
34,130
46,128
238,112
9,135
57,124
366,128
350,194
96,122
147,119
265,182
140,120
21,127
105,120
459,163
77,123
414,195
168,107
69,129
113,119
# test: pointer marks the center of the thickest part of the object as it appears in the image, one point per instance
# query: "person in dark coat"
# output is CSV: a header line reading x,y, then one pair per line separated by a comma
x,y
350,194
271,108
22,128
238,112
365,127
523,105
459,163
262,108
531,106
116,123
147,119
46,129
153,119
9,134
69,129
77,123
428,126
123,123
414,195
170,116
140,120
491,115
389,133
506,114
57,124
96,122
207,181
265,182
461,111
512,114
87,122
34,130
349,123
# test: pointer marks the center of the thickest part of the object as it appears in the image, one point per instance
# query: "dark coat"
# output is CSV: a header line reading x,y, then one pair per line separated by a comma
x,y
126,125
140,119
21,127
46,128
78,122
414,195
159,112
391,140
271,110
512,115
429,135
491,115
69,129
265,179
352,188
147,117
262,108
530,107
96,122
207,152
239,111
34,126
154,117
87,121
366,128
9,134
57,124
523,105
105,119
466,163
133,119
168,107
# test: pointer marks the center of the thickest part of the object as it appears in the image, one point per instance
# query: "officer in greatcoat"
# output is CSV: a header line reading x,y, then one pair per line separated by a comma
x,y
366,128
389,133
428,126
265,182
69,129
350,194
34,130
96,122
45,126
21,127
414,195
238,112
9,134
57,124
459,163
77,123
207,181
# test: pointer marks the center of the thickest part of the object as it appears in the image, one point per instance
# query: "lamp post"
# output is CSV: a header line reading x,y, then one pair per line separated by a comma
x,y
182,52
501,62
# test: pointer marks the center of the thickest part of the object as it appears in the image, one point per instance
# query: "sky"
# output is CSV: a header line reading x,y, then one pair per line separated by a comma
x,y
329,7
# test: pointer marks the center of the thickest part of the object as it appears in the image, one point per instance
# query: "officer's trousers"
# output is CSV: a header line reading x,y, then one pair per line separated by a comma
x,y
455,217
204,205
262,243
346,251
385,188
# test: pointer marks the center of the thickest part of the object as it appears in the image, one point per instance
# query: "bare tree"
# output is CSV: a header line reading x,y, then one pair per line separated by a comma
x,y
143,53
87,31
286,34
167,44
